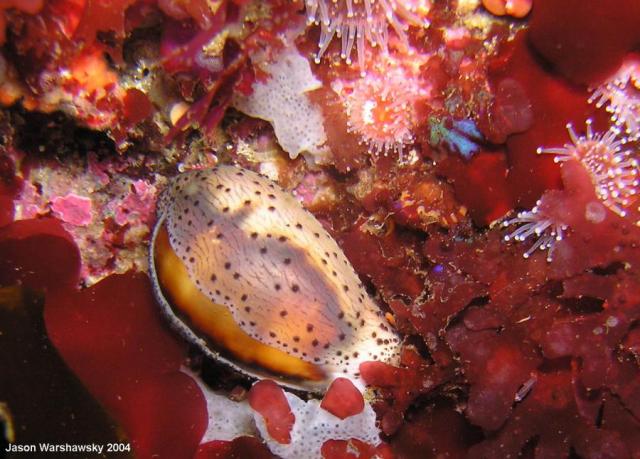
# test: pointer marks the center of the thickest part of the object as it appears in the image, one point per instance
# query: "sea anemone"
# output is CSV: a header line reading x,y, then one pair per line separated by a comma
x,y
535,223
621,95
360,21
613,171
382,106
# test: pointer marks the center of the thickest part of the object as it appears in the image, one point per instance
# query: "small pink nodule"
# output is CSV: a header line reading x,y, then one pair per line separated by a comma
x,y
72,209
514,8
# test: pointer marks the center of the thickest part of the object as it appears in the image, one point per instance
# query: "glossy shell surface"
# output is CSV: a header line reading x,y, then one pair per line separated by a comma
x,y
250,247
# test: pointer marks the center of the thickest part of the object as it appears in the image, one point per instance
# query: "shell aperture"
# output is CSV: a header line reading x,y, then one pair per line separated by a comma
x,y
269,290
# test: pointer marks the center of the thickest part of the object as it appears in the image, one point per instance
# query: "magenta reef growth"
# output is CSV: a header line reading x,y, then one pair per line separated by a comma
x,y
328,229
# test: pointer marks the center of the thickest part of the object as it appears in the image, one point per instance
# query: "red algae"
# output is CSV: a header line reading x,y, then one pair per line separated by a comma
x,y
50,404
497,232
435,432
348,449
401,386
238,448
87,338
100,15
551,414
486,172
496,367
118,364
584,41
541,90
33,245
28,6
343,399
391,271
267,398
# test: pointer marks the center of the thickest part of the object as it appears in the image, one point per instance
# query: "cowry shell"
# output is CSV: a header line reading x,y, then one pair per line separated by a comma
x,y
250,248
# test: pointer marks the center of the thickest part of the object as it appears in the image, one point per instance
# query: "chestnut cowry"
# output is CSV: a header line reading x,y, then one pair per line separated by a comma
x,y
248,275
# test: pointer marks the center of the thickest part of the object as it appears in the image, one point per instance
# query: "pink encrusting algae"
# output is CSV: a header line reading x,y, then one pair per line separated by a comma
x,y
73,209
613,169
361,21
137,206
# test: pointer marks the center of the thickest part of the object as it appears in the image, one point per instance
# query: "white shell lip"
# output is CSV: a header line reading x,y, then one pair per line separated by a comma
x,y
187,333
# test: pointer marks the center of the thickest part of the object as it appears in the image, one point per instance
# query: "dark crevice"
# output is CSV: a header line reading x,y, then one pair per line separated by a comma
x,y
56,135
